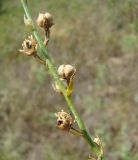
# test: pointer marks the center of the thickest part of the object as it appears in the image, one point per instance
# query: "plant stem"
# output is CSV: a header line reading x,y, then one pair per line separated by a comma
x,y
53,71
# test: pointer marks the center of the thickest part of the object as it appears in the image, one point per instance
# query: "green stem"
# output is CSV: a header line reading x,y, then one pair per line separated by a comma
x,y
53,71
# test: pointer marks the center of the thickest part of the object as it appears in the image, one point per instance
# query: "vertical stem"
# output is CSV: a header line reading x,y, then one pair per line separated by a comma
x,y
53,71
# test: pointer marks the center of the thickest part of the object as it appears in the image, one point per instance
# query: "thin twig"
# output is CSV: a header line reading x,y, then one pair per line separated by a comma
x,y
39,59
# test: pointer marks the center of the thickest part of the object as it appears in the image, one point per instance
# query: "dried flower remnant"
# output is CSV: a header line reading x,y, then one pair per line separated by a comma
x,y
66,72
64,120
29,46
97,140
45,20
56,86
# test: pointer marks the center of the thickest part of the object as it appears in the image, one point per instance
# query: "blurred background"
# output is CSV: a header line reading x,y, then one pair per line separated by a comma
x,y
99,37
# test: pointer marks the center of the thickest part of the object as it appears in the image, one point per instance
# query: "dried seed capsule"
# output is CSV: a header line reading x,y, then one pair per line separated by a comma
x,y
29,46
45,20
66,71
64,120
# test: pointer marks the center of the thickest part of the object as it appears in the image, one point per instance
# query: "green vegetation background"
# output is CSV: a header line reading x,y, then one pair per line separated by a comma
x,y
99,37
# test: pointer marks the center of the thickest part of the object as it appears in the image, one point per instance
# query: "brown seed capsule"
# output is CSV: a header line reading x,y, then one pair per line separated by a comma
x,y
64,120
45,20
29,46
66,71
